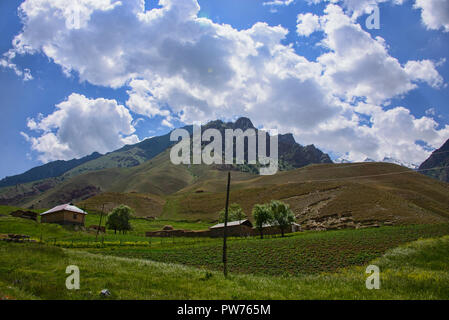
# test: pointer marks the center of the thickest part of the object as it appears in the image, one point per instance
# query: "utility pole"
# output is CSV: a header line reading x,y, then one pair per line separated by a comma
x,y
225,233
99,226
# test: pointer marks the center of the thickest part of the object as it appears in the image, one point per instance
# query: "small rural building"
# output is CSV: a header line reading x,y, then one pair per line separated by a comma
x,y
98,228
240,228
66,214
271,229
296,227
25,214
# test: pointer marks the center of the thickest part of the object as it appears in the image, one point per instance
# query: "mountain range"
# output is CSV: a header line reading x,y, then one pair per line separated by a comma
x,y
322,195
401,163
291,155
49,170
25,187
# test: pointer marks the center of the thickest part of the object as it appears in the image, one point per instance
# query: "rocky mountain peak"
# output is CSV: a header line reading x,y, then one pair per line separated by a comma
x,y
287,138
244,124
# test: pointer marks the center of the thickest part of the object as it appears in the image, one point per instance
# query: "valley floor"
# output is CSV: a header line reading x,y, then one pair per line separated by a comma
x,y
31,271
413,261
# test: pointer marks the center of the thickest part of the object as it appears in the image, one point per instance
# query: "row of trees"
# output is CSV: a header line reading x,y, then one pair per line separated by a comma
x,y
275,213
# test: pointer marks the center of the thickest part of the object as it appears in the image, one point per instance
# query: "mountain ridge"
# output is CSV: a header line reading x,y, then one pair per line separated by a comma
x,y
139,153
437,165
49,170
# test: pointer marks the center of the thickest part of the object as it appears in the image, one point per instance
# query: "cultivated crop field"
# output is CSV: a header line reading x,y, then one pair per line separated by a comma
x,y
307,253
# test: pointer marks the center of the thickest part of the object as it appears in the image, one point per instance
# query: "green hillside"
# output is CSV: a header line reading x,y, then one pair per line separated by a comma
x,y
128,156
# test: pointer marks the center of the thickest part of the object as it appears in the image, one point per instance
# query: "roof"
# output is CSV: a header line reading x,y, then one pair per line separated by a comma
x,y
65,207
231,224
269,225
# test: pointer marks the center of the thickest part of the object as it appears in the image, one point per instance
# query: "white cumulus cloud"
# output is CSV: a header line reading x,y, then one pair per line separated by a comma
x,y
278,3
308,23
359,66
80,126
434,13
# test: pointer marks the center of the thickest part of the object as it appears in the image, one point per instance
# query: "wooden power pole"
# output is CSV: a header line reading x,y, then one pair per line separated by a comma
x,y
225,233
99,225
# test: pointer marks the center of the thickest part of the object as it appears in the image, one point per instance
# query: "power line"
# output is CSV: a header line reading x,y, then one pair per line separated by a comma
x,y
375,175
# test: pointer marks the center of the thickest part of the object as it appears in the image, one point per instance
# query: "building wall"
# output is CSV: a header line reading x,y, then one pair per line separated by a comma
x,y
178,233
232,231
272,230
73,217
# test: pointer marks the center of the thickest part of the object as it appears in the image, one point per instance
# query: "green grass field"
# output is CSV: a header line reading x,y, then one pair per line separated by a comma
x,y
50,232
308,265
65,235
31,271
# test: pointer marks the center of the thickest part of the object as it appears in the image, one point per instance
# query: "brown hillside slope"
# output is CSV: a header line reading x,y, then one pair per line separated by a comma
x,y
366,193
353,194
144,205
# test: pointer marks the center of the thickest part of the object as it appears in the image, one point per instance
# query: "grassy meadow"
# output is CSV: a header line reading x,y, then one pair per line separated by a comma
x,y
32,271
50,232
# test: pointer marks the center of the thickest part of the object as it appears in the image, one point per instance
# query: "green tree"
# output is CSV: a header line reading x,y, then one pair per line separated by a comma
x,y
119,218
113,221
262,215
283,217
235,213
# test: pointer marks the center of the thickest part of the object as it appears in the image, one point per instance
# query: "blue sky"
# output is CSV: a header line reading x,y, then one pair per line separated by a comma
x,y
327,89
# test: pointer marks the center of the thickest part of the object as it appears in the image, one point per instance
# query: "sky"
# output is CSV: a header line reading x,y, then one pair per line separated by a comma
x,y
93,75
